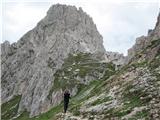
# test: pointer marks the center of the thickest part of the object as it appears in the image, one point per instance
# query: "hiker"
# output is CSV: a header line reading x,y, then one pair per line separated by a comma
x,y
66,100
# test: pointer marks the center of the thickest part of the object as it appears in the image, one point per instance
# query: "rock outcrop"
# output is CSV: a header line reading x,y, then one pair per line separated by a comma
x,y
116,58
29,65
143,41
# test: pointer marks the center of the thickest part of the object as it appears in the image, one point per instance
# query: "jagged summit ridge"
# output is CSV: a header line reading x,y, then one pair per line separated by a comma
x,y
68,20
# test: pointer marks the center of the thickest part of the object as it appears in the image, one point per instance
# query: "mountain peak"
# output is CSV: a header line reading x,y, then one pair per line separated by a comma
x,y
36,57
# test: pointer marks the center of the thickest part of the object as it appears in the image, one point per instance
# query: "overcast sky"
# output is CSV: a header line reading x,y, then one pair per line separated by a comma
x,y
120,22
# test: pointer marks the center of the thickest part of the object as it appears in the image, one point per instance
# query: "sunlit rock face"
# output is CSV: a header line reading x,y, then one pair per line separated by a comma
x,y
28,66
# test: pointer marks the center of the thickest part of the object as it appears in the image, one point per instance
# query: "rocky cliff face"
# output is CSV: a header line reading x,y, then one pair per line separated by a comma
x,y
116,58
28,66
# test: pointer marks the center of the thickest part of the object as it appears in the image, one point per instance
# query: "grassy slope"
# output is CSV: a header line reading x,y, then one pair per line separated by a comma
x,y
10,108
130,100
66,77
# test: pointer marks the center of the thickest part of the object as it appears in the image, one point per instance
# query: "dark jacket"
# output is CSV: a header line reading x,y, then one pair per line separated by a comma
x,y
66,97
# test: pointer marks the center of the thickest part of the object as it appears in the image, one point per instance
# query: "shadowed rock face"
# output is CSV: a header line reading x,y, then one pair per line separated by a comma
x,y
28,66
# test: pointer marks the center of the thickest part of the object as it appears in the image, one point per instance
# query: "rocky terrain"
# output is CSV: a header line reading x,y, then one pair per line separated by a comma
x,y
65,50
118,59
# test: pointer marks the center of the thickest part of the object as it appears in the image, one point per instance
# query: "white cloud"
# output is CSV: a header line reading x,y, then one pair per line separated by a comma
x,y
119,21
18,18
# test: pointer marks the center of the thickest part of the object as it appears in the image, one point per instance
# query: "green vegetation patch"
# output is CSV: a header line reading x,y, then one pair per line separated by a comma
x,y
83,95
80,65
140,115
50,115
130,100
101,100
154,43
10,108
136,64
133,95
155,63
23,116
